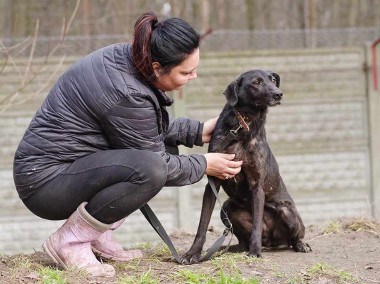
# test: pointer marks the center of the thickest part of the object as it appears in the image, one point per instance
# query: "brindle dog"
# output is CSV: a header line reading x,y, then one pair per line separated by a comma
x,y
259,206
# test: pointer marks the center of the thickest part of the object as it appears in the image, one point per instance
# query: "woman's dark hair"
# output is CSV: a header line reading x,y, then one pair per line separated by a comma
x,y
168,42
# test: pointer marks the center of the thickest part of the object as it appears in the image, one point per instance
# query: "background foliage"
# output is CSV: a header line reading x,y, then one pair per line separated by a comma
x,y
95,17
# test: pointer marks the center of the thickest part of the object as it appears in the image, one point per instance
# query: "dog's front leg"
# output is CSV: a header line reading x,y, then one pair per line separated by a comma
x,y
258,201
193,255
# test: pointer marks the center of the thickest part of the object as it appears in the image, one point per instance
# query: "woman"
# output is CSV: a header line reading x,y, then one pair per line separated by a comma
x,y
95,150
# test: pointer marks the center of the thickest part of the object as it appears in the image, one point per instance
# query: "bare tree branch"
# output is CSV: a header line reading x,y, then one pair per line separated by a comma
x,y
27,75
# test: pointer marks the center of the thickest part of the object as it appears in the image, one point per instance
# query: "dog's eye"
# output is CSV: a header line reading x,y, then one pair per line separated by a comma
x,y
274,81
257,82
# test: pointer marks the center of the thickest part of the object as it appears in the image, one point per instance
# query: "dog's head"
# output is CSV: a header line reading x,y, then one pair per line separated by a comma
x,y
255,88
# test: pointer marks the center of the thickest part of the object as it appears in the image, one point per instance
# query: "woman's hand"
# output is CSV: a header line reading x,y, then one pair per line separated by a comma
x,y
208,129
222,166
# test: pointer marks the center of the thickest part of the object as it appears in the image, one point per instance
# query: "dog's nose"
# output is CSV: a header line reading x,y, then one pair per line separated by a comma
x,y
278,96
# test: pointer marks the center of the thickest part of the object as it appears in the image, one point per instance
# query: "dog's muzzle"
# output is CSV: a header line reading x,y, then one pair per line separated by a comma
x,y
276,99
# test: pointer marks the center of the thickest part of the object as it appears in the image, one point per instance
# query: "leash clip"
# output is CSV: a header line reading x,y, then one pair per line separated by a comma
x,y
235,132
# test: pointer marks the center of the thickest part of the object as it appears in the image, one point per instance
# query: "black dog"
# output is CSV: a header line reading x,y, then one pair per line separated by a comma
x,y
259,206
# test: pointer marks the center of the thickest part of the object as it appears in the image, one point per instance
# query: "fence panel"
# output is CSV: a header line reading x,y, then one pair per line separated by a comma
x,y
319,136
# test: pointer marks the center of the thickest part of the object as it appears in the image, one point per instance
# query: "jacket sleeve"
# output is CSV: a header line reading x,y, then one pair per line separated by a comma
x,y
132,124
184,131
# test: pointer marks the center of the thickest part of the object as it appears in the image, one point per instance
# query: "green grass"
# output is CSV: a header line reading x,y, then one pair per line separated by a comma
x,y
187,276
50,275
323,269
143,278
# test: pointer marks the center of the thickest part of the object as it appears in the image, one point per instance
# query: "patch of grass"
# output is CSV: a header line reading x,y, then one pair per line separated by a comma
x,y
289,279
235,279
129,266
334,227
50,275
144,278
356,225
323,269
224,269
233,257
296,280
188,276
205,277
319,268
228,261
145,246
160,250
347,277
19,264
363,225
21,261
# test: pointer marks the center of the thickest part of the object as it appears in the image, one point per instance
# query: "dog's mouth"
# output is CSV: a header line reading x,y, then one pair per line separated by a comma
x,y
275,99
275,102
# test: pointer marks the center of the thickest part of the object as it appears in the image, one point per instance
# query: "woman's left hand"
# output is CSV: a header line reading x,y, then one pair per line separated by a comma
x,y
208,129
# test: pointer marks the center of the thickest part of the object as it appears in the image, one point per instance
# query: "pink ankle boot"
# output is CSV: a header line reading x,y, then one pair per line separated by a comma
x,y
106,247
70,245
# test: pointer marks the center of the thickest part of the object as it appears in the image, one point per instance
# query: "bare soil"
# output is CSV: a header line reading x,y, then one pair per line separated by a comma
x,y
346,251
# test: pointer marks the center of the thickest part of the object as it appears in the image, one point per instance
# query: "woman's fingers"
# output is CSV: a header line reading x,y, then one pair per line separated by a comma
x,y
222,165
233,168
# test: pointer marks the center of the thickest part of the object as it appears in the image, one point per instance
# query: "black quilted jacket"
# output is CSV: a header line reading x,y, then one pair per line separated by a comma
x,y
102,102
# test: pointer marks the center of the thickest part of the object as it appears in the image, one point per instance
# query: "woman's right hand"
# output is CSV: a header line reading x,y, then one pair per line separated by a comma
x,y
222,165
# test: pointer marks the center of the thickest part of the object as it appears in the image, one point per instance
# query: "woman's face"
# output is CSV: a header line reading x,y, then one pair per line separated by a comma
x,y
179,75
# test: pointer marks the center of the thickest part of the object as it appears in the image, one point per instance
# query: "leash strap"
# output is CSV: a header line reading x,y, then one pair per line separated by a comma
x,y
157,226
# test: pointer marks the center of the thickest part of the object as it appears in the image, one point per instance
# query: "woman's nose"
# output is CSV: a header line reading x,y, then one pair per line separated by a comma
x,y
193,75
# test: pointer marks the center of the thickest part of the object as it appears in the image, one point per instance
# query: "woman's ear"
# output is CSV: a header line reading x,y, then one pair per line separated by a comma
x,y
156,69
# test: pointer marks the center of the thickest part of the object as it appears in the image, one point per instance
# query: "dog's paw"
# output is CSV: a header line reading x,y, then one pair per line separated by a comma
x,y
301,247
190,258
255,247
255,252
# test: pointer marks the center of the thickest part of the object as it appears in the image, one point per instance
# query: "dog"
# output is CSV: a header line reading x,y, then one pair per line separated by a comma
x,y
259,206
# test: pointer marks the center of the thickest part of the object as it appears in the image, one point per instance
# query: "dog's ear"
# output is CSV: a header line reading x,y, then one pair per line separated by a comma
x,y
277,78
231,92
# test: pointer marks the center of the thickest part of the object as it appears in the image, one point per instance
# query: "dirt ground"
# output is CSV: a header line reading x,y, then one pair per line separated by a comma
x,y
344,251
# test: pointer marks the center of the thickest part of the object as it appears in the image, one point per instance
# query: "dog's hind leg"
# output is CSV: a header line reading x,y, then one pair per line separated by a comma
x,y
300,246
289,215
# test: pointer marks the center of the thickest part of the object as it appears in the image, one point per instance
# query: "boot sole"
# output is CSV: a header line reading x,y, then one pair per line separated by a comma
x,y
49,250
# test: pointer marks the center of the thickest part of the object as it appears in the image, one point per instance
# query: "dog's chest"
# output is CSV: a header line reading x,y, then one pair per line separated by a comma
x,y
252,152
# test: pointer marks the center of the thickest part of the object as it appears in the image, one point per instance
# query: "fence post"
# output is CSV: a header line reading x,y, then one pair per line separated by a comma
x,y
184,195
374,129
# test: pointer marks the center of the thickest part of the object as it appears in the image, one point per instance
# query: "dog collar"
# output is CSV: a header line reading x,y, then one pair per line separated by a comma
x,y
244,120
243,124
